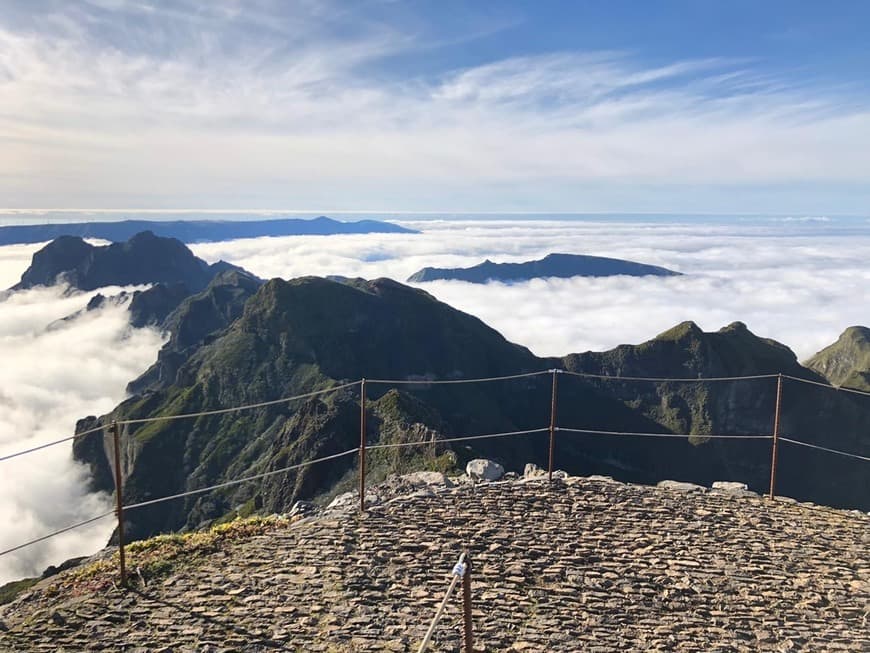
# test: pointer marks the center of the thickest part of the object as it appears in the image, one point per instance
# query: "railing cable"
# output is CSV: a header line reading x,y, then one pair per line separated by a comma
x,y
58,532
454,381
392,445
220,411
145,420
666,435
815,446
609,377
238,481
838,388
51,444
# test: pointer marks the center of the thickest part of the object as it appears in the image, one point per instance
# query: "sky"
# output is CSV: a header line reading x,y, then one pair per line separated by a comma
x,y
380,105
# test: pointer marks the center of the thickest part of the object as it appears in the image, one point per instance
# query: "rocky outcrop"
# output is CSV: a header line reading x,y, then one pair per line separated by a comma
x,y
847,361
582,564
144,259
480,469
190,323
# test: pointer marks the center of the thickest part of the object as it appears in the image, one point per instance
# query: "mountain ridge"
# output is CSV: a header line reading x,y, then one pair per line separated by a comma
x,y
143,259
552,265
307,334
195,231
846,362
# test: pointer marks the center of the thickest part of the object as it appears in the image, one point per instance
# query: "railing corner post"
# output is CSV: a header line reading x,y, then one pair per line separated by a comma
x,y
468,630
119,503
362,445
552,426
776,424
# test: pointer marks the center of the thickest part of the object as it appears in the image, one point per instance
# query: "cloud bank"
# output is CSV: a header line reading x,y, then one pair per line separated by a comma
x,y
799,282
53,374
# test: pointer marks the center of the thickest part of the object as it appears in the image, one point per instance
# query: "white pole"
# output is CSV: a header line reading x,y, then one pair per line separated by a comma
x,y
458,572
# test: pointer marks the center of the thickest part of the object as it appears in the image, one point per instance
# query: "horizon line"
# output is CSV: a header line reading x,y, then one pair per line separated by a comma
x,y
324,212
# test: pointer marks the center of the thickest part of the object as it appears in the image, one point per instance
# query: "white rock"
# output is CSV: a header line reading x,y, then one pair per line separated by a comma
x,y
420,479
730,486
343,501
302,508
681,486
484,470
531,470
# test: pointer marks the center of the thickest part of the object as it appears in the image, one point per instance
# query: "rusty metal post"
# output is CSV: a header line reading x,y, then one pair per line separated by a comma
x,y
362,446
776,415
119,503
552,427
466,607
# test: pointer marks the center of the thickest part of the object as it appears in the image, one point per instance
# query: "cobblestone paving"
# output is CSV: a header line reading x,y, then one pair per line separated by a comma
x,y
582,565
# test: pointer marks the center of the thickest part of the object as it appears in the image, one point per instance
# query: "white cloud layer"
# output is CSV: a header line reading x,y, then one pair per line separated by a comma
x,y
53,374
799,282
14,260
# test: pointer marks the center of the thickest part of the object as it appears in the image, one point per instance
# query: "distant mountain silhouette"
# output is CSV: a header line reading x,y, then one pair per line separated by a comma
x,y
144,259
552,265
194,231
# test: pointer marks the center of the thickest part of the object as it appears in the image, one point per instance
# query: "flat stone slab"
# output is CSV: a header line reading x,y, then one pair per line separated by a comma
x,y
576,565
681,486
426,478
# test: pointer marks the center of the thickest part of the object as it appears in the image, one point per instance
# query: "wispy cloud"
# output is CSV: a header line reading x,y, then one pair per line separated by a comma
x,y
204,104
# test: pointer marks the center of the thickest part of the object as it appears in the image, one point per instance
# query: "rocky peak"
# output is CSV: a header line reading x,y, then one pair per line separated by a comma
x,y
847,361
144,259
732,351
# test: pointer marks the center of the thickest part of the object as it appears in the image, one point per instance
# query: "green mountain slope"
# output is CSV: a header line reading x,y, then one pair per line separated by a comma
x,y
847,361
309,334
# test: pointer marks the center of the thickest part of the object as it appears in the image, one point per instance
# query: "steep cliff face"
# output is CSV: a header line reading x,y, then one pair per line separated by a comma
x,y
193,321
293,337
847,361
685,351
809,413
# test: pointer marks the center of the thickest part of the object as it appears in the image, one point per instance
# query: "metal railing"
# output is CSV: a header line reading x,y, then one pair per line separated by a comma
x,y
114,428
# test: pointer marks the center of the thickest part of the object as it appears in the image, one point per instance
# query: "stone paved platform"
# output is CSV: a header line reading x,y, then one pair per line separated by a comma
x,y
582,565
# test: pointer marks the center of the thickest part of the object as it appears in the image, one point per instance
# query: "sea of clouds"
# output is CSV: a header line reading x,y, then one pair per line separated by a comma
x,y
799,281
53,373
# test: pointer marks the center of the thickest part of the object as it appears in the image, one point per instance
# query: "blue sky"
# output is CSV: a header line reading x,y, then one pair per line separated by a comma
x,y
714,107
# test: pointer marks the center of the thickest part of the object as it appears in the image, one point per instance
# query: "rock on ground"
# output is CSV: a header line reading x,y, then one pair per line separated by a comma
x,y
481,469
